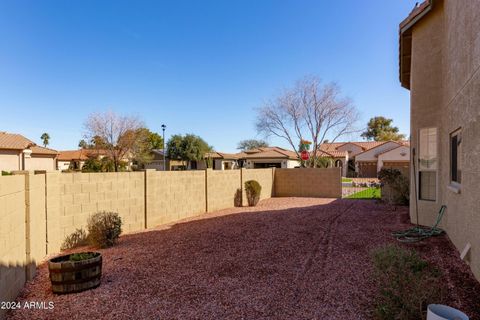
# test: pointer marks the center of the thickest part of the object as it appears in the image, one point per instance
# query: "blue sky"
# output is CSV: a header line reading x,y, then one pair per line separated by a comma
x,y
198,66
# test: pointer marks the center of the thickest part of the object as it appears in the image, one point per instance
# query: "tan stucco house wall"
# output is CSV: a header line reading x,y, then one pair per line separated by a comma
x,y
440,64
351,148
10,160
398,158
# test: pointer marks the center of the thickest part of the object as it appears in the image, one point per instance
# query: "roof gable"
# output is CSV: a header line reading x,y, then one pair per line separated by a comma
x,y
375,151
14,141
406,147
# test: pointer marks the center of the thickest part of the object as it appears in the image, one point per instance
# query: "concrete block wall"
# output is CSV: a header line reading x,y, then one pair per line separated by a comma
x,y
308,182
12,237
222,188
38,211
76,196
174,195
36,224
264,176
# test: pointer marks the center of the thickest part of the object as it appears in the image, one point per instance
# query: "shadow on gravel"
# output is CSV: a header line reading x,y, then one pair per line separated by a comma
x,y
287,258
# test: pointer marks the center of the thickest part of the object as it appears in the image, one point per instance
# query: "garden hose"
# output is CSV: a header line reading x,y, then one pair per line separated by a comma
x,y
418,233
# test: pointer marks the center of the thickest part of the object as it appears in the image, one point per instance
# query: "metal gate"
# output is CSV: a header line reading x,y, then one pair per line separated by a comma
x,y
361,188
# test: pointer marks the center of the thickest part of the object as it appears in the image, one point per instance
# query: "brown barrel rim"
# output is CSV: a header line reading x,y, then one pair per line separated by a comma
x,y
65,258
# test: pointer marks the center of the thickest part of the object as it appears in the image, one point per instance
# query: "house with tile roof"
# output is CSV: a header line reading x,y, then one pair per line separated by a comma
x,y
361,159
75,159
264,157
20,153
158,162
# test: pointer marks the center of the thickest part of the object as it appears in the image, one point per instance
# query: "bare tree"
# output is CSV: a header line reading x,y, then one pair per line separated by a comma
x,y
119,134
308,111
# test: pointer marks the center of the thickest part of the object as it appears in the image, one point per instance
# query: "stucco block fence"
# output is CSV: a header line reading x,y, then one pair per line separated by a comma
x,y
37,211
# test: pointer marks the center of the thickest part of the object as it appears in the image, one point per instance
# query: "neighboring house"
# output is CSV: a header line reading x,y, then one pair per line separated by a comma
x,y
265,157
338,158
269,157
367,164
440,65
20,153
396,158
157,161
365,159
75,159
225,161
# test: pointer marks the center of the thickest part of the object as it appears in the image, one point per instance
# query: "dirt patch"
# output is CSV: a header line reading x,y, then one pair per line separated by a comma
x,y
288,258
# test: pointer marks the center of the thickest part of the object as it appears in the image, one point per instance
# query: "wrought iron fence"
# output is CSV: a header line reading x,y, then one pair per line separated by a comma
x,y
361,188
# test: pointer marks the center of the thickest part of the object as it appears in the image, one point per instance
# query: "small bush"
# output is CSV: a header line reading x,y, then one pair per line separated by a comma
x,y
237,201
406,284
253,190
396,187
77,239
6,173
104,228
81,256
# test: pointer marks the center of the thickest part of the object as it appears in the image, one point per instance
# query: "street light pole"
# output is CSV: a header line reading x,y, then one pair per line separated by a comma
x,y
164,164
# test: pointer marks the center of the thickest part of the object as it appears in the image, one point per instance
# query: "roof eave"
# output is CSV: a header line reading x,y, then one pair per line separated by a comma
x,y
405,39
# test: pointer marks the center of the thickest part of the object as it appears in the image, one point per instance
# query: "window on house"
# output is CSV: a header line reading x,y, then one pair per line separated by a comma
x,y
455,156
427,164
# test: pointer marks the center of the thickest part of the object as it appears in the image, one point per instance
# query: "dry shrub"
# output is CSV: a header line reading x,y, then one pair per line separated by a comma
x,y
237,201
78,238
406,284
253,190
395,187
104,228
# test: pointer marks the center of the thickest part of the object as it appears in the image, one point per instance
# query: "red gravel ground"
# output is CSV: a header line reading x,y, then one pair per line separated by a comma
x,y
288,258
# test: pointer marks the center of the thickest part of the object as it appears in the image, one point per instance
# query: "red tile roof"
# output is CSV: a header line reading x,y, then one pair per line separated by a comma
x,y
81,154
337,154
42,150
417,11
365,145
258,153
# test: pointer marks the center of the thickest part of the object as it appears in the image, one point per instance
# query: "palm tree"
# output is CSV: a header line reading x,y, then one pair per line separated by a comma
x,y
45,137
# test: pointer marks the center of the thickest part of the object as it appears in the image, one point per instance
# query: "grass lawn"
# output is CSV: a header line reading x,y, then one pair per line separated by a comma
x,y
370,193
346,180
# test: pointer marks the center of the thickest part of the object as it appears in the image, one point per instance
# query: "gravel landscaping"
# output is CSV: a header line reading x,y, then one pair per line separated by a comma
x,y
287,258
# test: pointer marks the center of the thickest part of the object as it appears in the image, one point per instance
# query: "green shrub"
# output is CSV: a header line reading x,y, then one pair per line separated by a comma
x,y
76,239
253,190
102,165
396,187
81,256
92,165
6,173
104,228
406,284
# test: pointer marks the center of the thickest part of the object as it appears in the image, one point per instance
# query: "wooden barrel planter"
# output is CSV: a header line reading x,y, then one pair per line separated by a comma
x,y
69,276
